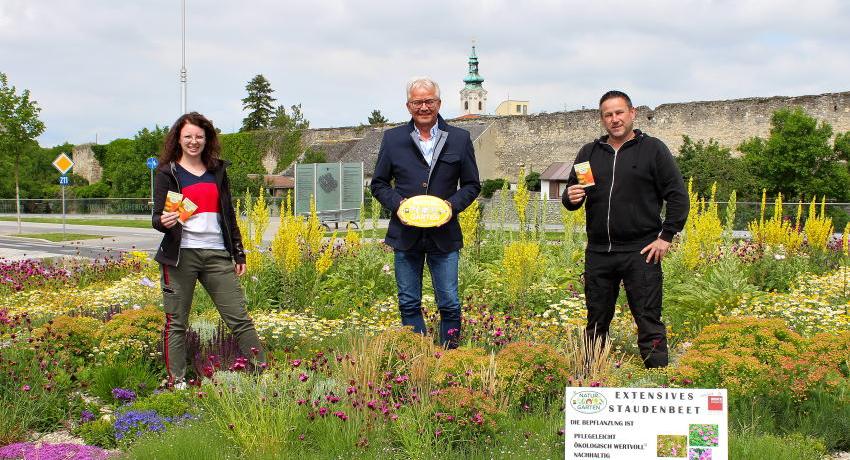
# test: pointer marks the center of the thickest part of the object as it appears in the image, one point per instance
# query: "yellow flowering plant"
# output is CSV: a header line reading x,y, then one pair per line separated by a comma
x,y
521,198
819,226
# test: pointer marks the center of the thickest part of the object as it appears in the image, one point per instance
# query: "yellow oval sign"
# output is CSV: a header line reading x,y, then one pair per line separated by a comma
x,y
424,211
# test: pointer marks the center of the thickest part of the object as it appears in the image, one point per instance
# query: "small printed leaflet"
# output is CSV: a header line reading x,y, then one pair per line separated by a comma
x,y
584,174
186,209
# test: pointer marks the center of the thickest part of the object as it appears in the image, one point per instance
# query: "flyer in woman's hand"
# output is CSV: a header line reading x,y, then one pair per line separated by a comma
x,y
172,201
187,208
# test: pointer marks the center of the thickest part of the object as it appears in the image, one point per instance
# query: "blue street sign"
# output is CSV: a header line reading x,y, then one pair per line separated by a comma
x,y
63,180
152,162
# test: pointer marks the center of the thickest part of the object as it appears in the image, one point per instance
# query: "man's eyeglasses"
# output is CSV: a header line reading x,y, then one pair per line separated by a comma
x,y
431,103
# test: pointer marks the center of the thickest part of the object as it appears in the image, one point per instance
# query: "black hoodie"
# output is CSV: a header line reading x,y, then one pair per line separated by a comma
x,y
624,207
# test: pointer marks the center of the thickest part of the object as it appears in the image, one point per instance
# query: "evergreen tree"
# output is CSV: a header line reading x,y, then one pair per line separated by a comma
x,y
258,103
377,118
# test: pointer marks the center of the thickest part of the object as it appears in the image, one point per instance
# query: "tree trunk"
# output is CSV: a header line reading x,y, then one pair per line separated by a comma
x,y
17,195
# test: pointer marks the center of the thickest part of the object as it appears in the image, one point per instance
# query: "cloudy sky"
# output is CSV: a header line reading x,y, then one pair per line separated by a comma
x,y
106,68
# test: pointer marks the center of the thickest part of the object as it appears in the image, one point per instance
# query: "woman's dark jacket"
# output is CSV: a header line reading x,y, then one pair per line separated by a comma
x,y
165,180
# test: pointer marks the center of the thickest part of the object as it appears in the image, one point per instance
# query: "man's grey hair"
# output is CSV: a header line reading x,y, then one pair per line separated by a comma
x,y
423,82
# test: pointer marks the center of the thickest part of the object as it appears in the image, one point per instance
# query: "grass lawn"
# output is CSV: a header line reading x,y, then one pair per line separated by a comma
x,y
129,222
59,237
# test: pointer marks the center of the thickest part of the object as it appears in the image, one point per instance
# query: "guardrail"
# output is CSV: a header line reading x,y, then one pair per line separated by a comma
x,y
746,211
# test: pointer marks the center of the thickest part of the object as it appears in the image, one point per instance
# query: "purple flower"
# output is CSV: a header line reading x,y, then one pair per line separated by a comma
x,y
124,395
133,423
86,416
47,451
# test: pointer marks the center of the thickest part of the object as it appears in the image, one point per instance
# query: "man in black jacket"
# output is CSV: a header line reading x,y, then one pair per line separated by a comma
x,y
426,156
634,175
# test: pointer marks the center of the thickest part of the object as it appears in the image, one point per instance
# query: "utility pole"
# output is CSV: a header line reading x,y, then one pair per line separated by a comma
x,y
183,67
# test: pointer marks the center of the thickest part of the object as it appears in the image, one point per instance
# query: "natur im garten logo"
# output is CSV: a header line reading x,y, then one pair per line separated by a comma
x,y
588,402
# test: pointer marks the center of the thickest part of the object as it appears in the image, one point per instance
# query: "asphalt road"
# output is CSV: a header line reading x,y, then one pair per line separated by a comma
x,y
113,241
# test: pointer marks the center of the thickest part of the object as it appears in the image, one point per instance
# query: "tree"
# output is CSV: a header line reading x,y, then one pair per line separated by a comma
x,y
710,162
532,181
842,147
489,187
312,155
296,121
377,118
796,159
258,103
286,137
19,125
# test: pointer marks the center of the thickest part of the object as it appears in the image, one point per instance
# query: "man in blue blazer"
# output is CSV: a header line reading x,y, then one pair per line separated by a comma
x,y
426,157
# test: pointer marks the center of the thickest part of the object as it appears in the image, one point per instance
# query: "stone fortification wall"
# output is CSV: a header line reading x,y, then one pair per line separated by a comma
x,y
539,140
85,164
490,214
536,141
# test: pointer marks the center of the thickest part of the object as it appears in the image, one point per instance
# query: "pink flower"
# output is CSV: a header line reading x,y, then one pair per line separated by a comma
x,y
26,388
342,416
477,419
296,362
323,411
303,377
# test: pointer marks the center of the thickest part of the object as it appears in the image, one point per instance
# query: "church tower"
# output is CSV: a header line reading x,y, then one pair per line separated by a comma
x,y
473,96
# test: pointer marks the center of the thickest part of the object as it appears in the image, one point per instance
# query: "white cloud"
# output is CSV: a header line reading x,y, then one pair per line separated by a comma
x,y
112,68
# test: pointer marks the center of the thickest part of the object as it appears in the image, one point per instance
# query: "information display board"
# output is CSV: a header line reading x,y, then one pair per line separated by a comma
x,y
336,187
642,423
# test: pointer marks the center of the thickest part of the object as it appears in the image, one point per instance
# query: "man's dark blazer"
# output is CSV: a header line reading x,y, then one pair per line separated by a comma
x,y
400,160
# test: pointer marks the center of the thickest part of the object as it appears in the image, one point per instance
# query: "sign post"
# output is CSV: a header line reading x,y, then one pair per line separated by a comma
x,y
63,163
152,162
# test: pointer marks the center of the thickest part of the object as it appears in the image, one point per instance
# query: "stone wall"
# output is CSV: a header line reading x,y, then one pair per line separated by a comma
x,y
539,140
85,164
490,214
502,144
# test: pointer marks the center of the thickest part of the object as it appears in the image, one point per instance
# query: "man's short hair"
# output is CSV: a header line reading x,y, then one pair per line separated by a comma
x,y
422,82
615,94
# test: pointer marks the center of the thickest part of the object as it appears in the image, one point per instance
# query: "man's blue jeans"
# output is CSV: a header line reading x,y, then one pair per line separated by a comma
x,y
408,275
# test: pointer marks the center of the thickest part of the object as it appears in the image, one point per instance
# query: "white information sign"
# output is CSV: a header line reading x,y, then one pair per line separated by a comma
x,y
632,423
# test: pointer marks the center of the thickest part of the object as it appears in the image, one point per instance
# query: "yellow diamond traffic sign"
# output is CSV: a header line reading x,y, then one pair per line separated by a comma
x,y
63,163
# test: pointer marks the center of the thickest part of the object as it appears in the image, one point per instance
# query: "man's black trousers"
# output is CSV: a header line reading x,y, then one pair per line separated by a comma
x,y
602,276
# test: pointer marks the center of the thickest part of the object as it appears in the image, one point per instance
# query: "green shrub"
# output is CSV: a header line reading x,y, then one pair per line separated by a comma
x,y
98,432
166,404
138,377
775,271
465,416
489,187
33,392
531,373
741,354
132,335
464,366
751,446
196,441
73,336
699,298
